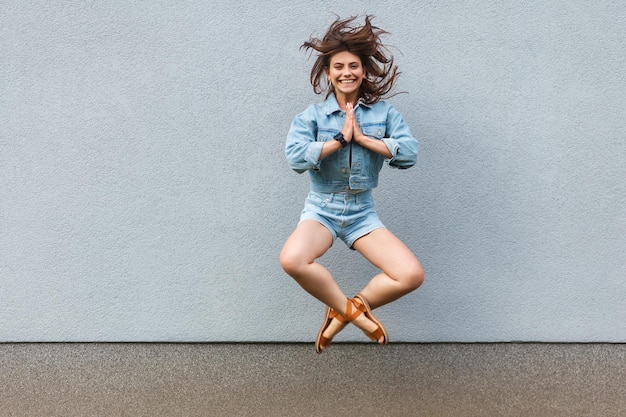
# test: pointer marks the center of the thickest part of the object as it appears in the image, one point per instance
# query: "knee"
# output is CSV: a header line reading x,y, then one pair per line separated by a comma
x,y
290,261
414,277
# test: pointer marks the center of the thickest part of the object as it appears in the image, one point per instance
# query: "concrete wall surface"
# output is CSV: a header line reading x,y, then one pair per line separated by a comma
x,y
144,194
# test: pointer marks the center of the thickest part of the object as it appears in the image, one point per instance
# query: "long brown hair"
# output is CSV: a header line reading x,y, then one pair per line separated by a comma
x,y
364,42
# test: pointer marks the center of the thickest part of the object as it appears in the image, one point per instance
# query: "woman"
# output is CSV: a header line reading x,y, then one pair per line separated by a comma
x,y
343,143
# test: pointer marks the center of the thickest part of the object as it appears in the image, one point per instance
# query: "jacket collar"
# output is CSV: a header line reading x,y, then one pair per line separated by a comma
x,y
333,107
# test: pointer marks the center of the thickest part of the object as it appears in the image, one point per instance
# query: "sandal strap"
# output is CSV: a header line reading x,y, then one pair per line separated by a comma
x,y
380,330
354,309
376,334
359,305
336,315
324,342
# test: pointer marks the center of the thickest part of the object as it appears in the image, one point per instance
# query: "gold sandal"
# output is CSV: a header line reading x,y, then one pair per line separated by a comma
x,y
362,306
322,342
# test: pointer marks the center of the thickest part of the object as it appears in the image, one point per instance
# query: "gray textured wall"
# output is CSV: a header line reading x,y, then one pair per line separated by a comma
x,y
144,194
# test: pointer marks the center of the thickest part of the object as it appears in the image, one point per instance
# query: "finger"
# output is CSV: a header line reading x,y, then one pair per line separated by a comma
x,y
348,122
348,127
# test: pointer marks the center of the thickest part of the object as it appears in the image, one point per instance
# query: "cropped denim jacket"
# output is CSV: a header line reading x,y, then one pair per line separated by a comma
x,y
354,167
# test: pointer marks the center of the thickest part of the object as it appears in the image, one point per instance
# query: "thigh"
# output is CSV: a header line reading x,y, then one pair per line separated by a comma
x,y
309,241
386,252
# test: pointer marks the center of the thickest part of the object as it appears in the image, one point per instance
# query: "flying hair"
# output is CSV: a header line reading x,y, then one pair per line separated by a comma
x,y
363,41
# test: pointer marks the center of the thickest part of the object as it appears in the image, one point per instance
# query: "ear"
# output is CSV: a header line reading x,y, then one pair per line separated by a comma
x,y
327,73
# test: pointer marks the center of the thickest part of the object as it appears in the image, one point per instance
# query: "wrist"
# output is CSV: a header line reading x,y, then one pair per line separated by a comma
x,y
340,138
360,138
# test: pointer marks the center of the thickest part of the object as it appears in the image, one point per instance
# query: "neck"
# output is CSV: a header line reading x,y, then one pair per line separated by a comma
x,y
342,100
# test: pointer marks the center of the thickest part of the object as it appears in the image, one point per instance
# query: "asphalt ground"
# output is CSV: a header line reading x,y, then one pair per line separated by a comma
x,y
136,379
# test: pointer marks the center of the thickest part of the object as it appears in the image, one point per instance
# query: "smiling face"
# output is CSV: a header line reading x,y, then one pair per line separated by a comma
x,y
346,73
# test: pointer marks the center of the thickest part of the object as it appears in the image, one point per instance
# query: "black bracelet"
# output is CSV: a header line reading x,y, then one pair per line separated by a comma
x,y
339,137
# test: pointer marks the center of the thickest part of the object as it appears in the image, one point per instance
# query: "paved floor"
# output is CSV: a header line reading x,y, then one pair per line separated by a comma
x,y
65,380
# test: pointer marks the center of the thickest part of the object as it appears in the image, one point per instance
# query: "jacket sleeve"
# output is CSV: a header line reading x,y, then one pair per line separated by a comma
x,y
302,150
402,145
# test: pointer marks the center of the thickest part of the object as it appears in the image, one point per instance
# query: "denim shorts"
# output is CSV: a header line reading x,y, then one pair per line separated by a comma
x,y
347,216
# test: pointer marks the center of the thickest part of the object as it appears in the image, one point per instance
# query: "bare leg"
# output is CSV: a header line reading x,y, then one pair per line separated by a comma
x,y
401,271
308,242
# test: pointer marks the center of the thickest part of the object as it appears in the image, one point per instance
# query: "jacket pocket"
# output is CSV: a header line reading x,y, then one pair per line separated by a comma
x,y
374,130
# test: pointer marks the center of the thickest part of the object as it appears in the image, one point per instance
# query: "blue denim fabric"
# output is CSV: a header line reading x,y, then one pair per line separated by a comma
x,y
347,216
352,168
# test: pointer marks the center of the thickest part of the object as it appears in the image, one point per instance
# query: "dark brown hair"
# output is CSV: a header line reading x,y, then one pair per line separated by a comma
x,y
364,42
